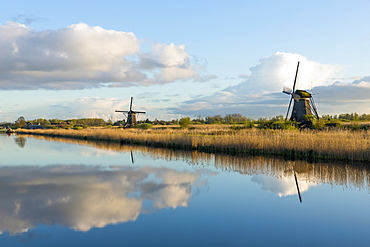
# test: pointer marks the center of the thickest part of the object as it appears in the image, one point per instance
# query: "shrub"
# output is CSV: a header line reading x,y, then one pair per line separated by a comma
x,y
333,124
288,125
308,118
319,124
248,124
144,126
184,122
266,125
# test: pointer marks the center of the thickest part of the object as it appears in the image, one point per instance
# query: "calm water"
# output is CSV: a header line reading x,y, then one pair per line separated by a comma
x,y
68,193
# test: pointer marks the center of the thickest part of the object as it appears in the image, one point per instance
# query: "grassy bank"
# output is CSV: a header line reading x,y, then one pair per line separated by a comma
x,y
308,145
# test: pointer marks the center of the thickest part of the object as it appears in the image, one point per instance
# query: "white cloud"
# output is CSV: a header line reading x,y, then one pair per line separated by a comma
x,y
285,186
82,197
82,56
85,107
88,108
344,97
260,94
173,62
275,72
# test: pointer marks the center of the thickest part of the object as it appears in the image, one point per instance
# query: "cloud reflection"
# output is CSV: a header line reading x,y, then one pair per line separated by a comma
x,y
284,186
81,197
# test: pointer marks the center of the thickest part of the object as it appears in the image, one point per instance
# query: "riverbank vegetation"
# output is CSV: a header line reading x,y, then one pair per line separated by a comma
x,y
236,121
348,174
312,145
342,137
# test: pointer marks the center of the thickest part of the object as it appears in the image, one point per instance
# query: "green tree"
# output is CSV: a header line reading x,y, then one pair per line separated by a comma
x,y
40,121
20,122
184,122
248,123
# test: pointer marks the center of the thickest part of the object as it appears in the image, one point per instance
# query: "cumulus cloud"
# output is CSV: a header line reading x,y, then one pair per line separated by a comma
x,y
81,56
259,95
87,107
84,107
357,91
82,197
285,186
275,72
344,97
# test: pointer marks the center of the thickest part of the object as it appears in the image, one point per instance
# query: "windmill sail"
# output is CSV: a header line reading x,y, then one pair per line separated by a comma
x,y
295,81
303,103
287,90
131,115
297,185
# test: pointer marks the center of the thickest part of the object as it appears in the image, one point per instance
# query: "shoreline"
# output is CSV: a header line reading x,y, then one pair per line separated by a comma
x,y
311,146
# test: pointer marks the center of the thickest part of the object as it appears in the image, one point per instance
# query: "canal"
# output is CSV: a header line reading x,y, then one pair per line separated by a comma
x,y
64,192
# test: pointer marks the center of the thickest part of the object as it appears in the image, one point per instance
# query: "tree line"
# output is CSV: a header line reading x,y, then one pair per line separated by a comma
x,y
349,116
21,122
234,118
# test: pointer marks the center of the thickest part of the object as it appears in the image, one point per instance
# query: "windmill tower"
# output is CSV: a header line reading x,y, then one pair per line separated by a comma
x,y
303,103
131,115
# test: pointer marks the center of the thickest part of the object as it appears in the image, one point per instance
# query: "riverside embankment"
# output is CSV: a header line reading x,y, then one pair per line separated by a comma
x,y
344,145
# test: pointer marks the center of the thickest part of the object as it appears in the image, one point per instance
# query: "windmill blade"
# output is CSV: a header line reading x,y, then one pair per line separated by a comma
x,y
296,183
139,112
131,104
121,111
287,113
314,108
295,82
295,79
287,90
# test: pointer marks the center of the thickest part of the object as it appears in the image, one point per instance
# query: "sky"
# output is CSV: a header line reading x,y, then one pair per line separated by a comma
x,y
85,59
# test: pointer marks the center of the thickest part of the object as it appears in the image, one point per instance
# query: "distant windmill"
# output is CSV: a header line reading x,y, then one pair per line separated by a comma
x,y
131,115
303,103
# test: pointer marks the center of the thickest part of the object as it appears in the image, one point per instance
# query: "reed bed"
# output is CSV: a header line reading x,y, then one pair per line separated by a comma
x,y
310,145
348,174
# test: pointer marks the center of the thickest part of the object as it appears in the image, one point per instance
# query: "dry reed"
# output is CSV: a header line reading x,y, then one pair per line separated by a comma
x,y
345,174
311,145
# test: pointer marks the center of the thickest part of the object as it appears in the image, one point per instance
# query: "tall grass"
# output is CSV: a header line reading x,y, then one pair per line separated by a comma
x,y
346,174
311,145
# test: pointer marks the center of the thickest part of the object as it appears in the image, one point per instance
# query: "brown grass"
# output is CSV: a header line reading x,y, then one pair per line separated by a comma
x,y
348,174
312,145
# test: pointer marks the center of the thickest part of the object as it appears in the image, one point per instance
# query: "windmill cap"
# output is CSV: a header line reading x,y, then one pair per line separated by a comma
x,y
303,93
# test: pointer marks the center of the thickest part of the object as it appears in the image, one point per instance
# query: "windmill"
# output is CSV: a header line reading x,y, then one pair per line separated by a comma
x,y
303,103
131,115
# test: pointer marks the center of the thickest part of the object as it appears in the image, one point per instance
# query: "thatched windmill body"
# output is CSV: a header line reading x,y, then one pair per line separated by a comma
x,y
131,115
303,103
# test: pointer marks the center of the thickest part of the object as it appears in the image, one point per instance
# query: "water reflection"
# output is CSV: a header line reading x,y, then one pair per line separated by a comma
x,y
350,175
251,200
285,186
81,197
20,141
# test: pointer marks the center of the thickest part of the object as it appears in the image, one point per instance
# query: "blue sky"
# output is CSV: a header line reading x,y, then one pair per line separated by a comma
x,y
75,59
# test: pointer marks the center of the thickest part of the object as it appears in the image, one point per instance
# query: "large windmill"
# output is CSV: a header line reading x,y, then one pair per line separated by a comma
x,y
131,115
303,103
